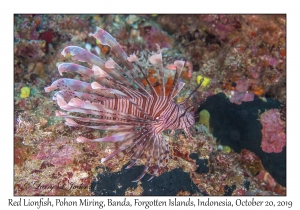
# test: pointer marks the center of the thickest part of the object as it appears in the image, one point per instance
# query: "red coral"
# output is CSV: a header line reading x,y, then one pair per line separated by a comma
x,y
58,154
273,132
47,36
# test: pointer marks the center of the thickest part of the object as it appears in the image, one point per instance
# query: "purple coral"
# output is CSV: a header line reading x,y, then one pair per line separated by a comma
x,y
273,132
238,98
241,94
242,85
153,36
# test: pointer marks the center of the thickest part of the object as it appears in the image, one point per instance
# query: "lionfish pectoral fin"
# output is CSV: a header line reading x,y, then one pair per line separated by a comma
x,y
142,175
151,178
154,174
100,72
71,122
117,137
132,163
111,155
188,134
82,55
72,67
124,145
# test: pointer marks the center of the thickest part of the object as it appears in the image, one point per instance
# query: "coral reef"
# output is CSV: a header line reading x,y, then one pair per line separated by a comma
x,y
205,82
238,127
243,58
241,94
233,47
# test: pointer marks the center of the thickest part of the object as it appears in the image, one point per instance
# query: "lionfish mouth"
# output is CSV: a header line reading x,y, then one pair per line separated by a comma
x,y
122,99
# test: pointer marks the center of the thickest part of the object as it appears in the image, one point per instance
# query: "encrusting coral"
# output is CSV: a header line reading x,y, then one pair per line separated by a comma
x,y
273,132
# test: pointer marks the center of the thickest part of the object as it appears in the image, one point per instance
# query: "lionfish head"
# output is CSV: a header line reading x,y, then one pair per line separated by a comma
x,y
186,117
190,118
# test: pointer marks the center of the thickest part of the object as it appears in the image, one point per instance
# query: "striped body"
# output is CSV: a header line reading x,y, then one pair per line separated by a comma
x,y
165,112
118,101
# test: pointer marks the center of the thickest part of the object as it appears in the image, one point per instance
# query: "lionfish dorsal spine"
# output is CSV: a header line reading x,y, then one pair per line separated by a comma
x,y
106,39
153,91
156,59
176,87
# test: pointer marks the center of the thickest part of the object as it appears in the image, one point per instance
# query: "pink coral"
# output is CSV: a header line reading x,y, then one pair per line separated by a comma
x,y
242,85
238,98
153,36
273,132
241,94
58,155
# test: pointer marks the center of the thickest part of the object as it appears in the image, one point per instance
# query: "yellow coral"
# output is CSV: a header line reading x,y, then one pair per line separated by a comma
x,y
226,149
205,82
204,118
25,92
180,99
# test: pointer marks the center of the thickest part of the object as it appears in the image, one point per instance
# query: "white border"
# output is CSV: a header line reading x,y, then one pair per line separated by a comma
x,y
154,6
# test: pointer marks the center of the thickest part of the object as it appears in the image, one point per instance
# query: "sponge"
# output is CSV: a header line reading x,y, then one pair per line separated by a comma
x,y
25,92
204,118
205,82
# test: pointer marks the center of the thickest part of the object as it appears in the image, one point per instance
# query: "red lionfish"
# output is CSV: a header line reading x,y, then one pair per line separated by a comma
x,y
119,101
